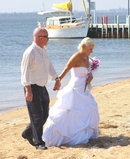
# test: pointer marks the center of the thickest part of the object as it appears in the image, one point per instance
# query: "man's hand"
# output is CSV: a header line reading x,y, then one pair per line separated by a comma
x,y
29,95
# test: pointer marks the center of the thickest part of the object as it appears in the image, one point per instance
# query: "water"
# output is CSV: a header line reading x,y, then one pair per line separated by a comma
x,y
16,35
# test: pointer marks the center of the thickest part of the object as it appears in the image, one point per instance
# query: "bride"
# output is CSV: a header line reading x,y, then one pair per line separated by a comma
x,y
74,118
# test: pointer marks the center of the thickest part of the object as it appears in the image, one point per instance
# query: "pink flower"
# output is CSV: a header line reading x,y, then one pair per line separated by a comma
x,y
94,65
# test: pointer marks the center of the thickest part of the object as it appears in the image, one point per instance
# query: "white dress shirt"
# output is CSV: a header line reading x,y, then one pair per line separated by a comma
x,y
36,66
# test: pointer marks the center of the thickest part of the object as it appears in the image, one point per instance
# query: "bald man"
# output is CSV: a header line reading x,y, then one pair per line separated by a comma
x,y
36,67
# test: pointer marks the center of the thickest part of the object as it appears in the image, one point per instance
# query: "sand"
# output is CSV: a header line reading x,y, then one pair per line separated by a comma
x,y
114,137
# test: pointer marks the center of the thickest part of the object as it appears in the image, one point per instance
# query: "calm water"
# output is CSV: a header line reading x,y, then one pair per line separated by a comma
x,y
16,35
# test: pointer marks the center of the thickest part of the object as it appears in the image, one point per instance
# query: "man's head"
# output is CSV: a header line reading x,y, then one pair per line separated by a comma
x,y
40,36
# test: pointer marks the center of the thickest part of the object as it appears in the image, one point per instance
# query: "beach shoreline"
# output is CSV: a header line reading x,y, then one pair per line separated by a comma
x,y
53,94
114,129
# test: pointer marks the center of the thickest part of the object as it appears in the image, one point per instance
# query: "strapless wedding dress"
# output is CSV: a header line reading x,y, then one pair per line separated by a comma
x,y
74,118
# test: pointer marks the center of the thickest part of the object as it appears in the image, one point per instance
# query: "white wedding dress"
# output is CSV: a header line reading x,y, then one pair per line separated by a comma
x,y
74,118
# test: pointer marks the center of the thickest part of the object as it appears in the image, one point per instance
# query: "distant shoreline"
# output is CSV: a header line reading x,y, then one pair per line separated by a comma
x,y
121,10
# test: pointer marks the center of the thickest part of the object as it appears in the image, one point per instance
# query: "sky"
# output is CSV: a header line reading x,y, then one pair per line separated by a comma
x,y
37,5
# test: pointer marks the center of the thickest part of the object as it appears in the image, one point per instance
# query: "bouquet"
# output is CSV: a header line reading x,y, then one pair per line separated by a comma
x,y
94,64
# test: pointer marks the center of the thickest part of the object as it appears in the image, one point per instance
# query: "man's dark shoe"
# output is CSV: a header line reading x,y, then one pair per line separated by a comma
x,y
29,138
41,147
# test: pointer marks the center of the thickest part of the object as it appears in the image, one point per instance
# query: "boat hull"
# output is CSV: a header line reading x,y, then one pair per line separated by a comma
x,y
80,31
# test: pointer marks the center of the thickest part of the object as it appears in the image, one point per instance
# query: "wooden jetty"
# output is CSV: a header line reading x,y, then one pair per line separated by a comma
x,y
110,30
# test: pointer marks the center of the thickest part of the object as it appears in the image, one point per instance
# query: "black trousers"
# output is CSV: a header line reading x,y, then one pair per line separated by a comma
x,y
38,111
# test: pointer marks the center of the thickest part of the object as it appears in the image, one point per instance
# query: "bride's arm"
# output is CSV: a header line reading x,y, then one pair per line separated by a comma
x,y
89,79
70,64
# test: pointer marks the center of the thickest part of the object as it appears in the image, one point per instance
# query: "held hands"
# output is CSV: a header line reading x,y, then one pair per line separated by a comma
x,y
57,84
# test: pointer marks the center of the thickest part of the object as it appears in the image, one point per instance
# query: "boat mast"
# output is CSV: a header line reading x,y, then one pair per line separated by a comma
x,y
89,1
71,12
85,10
71,9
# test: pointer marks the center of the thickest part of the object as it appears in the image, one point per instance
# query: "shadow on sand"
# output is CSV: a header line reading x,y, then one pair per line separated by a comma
x,y
104,142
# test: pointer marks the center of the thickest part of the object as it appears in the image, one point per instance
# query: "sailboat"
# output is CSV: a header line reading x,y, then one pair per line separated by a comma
x,y
62,24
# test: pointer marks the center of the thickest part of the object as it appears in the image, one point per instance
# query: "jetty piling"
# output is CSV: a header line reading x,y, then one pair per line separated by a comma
x,y
106,30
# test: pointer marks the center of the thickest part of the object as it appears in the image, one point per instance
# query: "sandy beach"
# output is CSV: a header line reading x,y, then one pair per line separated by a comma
x,y
114,130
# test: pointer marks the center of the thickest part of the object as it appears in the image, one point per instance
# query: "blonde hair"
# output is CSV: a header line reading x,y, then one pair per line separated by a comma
x,y
86,41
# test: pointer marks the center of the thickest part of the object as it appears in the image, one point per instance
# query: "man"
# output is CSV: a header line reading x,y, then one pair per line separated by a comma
x,y
35,69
